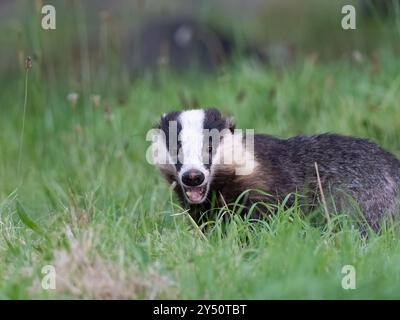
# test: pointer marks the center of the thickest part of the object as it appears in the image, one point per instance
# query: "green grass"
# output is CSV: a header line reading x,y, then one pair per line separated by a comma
x,y
86,201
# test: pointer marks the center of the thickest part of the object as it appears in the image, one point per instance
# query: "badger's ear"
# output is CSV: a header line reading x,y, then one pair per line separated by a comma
x,y
230,124
160,123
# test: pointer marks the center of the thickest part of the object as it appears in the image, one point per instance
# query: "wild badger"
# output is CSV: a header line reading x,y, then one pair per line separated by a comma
x,y
351,170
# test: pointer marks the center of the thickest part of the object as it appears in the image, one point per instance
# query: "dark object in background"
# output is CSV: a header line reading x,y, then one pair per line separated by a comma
x,y
184,44
380,7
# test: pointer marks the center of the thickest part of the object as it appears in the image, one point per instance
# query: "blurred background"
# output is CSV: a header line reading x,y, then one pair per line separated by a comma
x,y
123,40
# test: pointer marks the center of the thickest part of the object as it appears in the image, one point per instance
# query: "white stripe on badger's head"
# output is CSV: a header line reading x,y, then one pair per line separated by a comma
x,y
196,135
192,137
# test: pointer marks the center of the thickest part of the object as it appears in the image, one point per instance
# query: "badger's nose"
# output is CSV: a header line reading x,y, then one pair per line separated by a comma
x,y
193,178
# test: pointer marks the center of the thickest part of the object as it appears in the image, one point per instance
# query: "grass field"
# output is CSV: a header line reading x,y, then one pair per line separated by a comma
x,y
77,193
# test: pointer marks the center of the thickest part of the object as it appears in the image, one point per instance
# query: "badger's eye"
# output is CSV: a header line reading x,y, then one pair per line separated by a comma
x,y
210,148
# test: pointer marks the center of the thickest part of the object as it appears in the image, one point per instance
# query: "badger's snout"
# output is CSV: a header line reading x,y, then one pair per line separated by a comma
x,y
195,184
193,178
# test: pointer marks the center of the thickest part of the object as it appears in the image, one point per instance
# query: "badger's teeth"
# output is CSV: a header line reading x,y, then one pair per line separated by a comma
x,y
188,193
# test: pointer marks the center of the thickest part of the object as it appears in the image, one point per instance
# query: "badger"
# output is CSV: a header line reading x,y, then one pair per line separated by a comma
x,y
216,169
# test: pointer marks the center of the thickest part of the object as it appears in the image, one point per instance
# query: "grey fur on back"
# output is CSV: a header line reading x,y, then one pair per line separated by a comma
x,y
355,174
347,166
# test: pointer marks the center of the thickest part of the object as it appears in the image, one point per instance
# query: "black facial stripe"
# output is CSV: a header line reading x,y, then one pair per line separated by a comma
x,y
165,127
214,120
210,144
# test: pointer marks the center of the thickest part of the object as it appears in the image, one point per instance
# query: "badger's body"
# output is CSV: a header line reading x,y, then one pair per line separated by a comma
x,y
352,171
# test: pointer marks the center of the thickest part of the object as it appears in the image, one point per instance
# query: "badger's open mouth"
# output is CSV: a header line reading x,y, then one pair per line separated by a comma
x,y
195,194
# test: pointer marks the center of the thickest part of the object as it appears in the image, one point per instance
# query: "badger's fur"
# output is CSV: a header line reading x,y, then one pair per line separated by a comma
x,y
351,170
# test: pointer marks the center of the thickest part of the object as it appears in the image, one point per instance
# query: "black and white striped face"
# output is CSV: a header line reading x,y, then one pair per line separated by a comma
x,y
191,140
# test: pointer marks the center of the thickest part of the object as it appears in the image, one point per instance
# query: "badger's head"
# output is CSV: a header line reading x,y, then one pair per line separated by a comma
x,y
188,144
